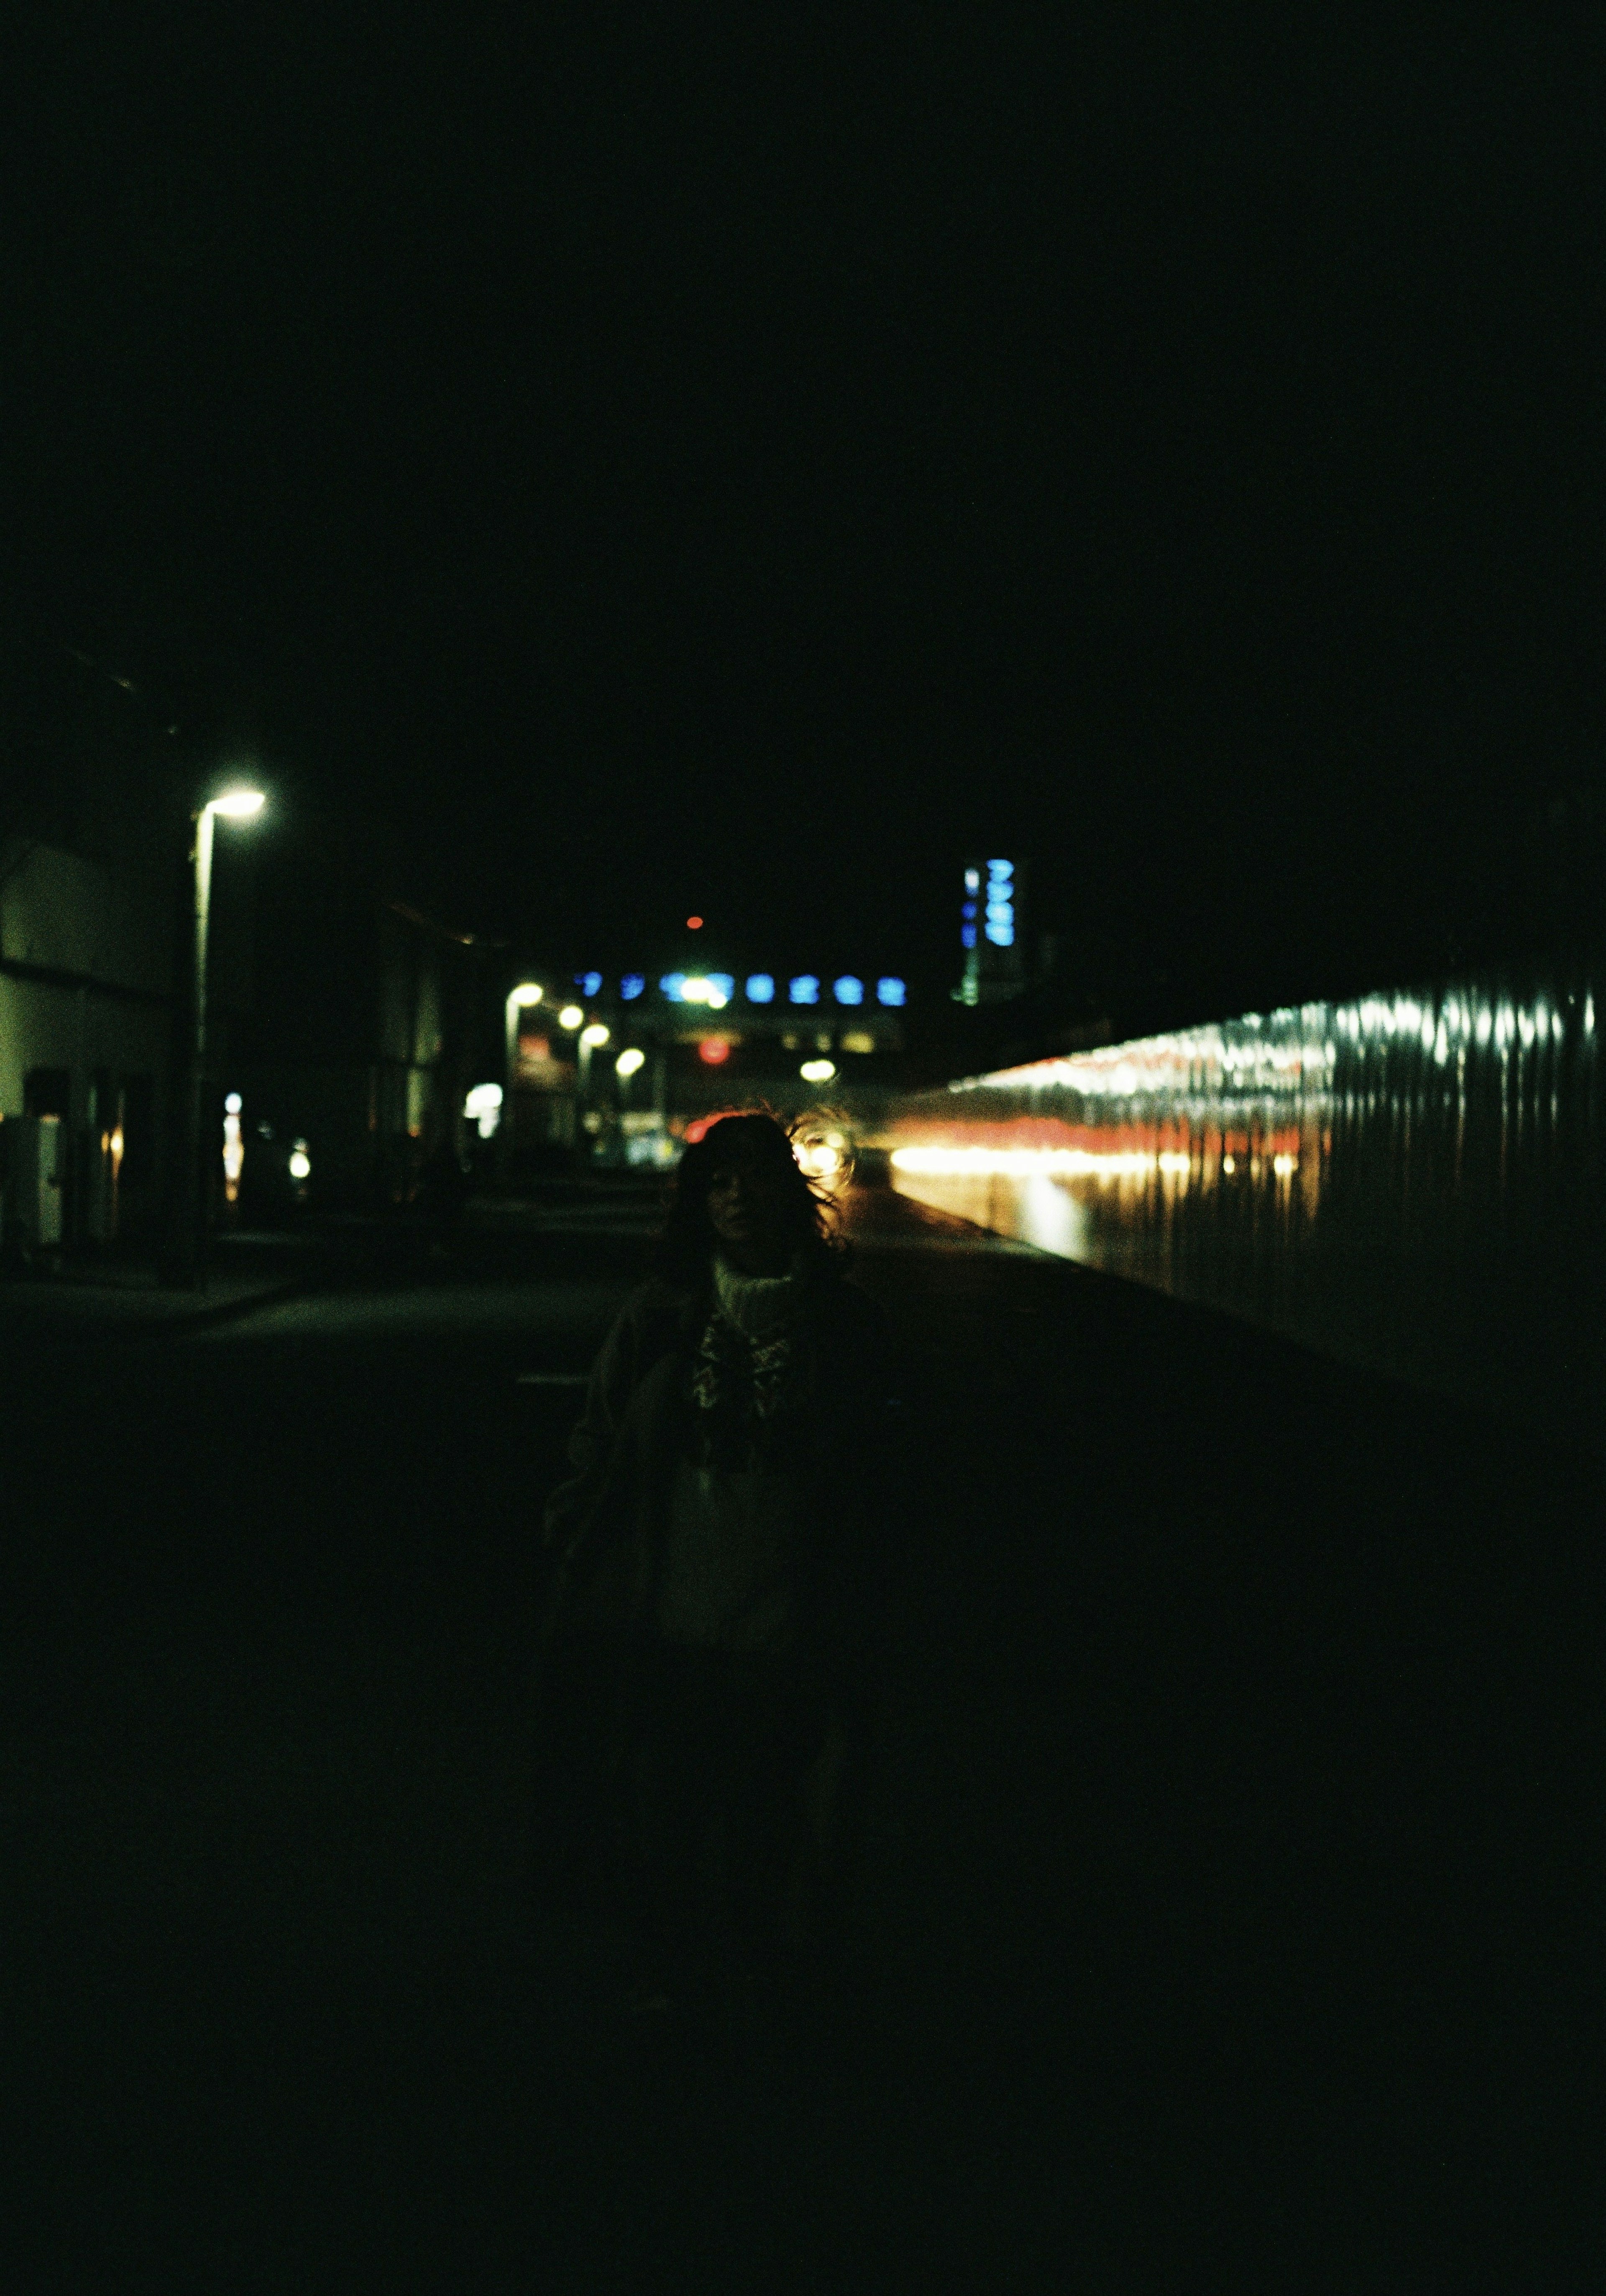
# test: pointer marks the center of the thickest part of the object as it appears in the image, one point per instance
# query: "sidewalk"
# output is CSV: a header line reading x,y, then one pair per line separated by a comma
x,y
118,1298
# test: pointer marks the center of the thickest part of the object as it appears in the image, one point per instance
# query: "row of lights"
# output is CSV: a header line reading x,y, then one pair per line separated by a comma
x,y
717,990
714,1050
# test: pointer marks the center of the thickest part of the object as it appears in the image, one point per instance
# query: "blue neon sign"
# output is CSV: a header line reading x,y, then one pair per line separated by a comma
x,y
999,905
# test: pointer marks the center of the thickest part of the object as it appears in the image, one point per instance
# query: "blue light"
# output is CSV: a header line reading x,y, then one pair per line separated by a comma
x,y
1001,913
760,988
673,985
969,913
1000,936
847,990
588,983
889,990
1001,869
725,982
967,936
632,986
804,989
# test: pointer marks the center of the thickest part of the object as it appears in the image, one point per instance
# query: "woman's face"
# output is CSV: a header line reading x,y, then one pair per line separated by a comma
x,y
746,1209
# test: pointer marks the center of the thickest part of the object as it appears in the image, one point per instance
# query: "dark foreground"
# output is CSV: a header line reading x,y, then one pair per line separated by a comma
x,y
1227,1909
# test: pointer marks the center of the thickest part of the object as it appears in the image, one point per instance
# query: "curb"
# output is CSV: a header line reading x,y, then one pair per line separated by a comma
x,y
178,1325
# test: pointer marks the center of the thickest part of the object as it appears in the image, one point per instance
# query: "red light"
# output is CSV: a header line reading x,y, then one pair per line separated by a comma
x,y
696,923
714,1050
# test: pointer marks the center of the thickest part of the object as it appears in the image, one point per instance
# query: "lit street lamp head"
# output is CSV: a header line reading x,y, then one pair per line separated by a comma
x,y
237,804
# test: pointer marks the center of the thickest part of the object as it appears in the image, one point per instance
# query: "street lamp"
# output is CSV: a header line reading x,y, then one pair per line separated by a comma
x,y
593,1035
519,999
232,805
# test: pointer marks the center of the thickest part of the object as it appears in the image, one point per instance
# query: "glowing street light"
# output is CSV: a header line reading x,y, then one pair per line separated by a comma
x,y
229,805
520,997
817,1071
570,1017
629,1061
594,1034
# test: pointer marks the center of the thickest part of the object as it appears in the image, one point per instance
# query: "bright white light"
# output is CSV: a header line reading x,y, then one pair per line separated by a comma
x,y
570,1017
300,1163
528,992
595,1035
817,1071
697,990
818,1159
717,1002
629,1061
237,804
1025,1163
483,1105
231,1106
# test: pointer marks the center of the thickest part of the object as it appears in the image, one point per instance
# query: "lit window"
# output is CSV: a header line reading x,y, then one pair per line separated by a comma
x,y
848,990
804,989
632,986
889,990
858,1040
760,988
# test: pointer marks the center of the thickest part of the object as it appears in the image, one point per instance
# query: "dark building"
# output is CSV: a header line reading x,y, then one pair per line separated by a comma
x,y
343,1018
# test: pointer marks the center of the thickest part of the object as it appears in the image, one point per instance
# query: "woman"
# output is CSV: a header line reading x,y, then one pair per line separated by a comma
x,y
725,1535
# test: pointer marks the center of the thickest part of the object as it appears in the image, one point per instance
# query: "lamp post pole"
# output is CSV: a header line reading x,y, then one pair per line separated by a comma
x,y
195,1225
524,995
189,1227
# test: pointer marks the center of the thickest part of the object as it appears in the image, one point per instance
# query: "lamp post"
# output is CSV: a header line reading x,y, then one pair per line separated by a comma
x,y
591,1035
519,1000
233,805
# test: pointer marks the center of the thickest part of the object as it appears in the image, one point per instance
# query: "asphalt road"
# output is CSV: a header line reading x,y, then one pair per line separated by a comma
x,y
1226,1909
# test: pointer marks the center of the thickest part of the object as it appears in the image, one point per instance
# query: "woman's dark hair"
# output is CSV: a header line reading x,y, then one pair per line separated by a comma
x,y
686,1242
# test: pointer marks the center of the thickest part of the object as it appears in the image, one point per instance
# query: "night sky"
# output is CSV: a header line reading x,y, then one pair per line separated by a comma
x,y
743,459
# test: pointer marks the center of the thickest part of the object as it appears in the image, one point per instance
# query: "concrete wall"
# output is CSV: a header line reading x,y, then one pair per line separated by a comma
x,y
85,958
